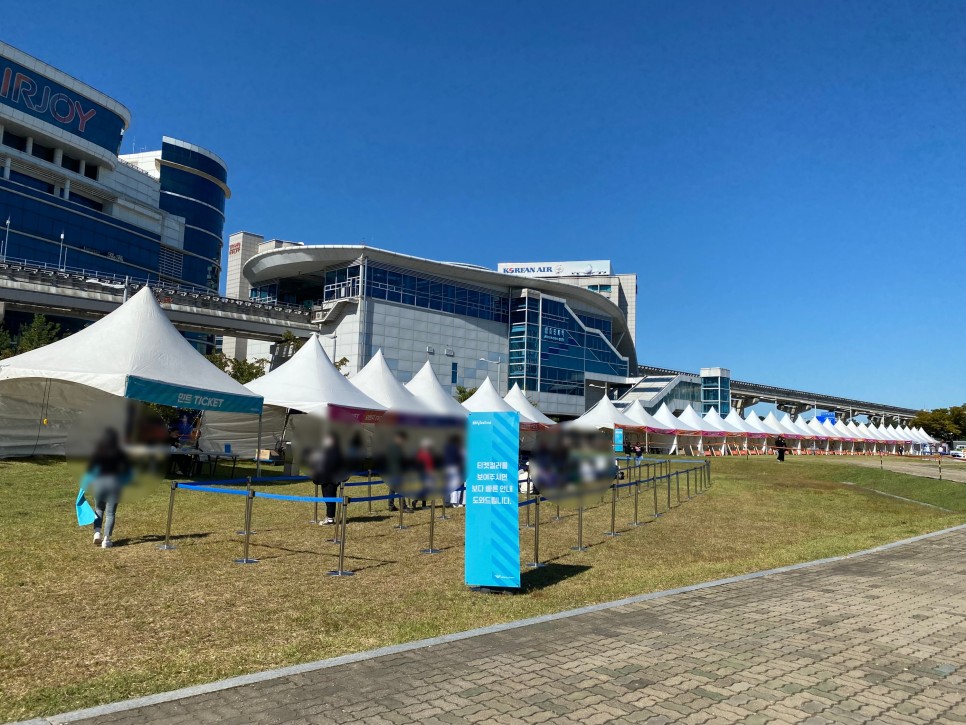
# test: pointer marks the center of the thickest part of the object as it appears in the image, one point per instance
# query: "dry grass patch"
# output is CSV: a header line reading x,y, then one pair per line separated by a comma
x,y
85,626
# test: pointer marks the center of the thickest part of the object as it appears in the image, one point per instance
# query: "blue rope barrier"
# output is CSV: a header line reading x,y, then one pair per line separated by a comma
x,y
373,482
521,504
308,499
363,499
212,489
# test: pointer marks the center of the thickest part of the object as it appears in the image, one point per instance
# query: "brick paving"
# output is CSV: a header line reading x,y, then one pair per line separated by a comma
x,y
878,638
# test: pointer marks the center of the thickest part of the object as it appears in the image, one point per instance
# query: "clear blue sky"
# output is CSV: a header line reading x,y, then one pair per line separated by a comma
x,y
786,178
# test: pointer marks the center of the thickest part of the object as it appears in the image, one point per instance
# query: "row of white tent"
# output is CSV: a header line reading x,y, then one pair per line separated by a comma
x,y
136,353
712,426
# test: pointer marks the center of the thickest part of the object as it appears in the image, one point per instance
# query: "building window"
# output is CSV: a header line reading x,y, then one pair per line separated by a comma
x,y
14,141
454,373
599,288
85,201
30,181
90,171
43,152
70,163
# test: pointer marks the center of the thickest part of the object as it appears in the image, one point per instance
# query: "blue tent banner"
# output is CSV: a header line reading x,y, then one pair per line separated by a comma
x,y
492,514
183,396
618,440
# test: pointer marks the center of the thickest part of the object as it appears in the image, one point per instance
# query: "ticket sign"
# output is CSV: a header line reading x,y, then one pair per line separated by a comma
x,y
492,518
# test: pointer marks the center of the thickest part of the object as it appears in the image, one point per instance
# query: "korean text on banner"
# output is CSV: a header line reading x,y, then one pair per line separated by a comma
x,y
492,515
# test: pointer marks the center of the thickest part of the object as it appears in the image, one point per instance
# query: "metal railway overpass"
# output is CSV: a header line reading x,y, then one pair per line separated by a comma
x,y
745,394
87,295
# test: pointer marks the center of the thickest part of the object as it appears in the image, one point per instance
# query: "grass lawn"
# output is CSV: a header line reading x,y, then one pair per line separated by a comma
x,y
84,626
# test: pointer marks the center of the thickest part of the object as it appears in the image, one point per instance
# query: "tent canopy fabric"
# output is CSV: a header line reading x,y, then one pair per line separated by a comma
x,y
771,421
428,390
755,422
670,421
487,400
712,417
645,420
528,411
690,417
376,381
602,415
736,421
308,380
135,352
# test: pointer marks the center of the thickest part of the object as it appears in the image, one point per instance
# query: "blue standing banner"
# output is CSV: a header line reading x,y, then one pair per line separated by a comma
x,y
492,514
618,440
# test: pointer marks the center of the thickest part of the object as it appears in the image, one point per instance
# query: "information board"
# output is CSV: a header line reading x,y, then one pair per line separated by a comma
x,y
492,517
618,440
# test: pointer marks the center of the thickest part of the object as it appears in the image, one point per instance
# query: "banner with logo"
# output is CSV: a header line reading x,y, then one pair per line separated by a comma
x,y
492,518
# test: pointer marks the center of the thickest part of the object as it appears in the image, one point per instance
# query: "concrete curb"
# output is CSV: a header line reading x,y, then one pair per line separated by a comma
x,y
243,680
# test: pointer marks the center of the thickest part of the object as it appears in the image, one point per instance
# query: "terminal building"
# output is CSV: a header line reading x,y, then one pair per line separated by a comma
x,y
562,341
69,201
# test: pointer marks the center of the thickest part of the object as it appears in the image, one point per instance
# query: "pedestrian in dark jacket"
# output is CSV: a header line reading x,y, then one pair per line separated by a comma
x,y
111,469
328,471
780,446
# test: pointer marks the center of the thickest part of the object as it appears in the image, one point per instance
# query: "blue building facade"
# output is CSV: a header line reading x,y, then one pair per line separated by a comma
x,y
68,200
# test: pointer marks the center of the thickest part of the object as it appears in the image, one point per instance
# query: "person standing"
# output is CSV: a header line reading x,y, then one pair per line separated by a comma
x,y
453,470
396,469
111,469
328,471
780,446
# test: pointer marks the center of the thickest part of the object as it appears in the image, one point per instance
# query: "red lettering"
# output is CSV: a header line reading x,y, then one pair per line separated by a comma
x,y
83,118
5,86
23,86
61,99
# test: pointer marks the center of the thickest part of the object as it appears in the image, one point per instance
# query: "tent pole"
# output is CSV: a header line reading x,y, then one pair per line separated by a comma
x,y
258,449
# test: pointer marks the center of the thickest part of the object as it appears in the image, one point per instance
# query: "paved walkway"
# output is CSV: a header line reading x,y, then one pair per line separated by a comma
x,y
953,469
877,638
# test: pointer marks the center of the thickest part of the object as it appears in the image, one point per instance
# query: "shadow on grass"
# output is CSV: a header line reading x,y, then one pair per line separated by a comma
x,y
158,538
549,575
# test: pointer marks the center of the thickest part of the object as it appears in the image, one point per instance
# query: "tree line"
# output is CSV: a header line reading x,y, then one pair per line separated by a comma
x,y
945,424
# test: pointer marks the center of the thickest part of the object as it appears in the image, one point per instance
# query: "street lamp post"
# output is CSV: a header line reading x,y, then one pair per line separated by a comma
x,y
335,341
499,364
6,239
62,257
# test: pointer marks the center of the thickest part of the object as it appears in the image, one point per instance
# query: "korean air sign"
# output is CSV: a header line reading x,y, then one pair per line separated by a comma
x,y
44,99
555,269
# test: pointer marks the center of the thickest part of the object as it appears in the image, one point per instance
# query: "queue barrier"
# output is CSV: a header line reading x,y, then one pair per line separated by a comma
x,y
701,472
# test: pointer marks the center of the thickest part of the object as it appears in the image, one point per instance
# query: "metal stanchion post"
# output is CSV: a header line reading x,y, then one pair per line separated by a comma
x,y
654,489
342,571
369,489
708,464
677,486
613,511
688,477
315,507
167,545
340,514
668,477
247,530
637,495
558,517
249,499
580,529
535,564
940,467
528,525
432,528
402,504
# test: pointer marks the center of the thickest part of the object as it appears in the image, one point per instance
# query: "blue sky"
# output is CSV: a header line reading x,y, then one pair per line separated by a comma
x,y
785,178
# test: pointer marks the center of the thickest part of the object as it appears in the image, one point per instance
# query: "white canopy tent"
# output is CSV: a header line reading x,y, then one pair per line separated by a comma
x,y
602,416
487,400
517,400
426,387
134,352
307,382
738,422
635,411
376,381
713,418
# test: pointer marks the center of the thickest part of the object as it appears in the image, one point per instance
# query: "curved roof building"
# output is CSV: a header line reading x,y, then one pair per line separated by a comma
x,y
556,340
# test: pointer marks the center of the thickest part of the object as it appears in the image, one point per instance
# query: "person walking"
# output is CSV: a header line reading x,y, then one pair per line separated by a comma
x,y
328,471
426,465
110,469
780,446
396,469
453,470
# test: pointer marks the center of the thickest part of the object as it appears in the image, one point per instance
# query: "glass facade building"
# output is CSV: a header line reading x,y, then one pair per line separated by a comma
x,y
68,200
471,323
716,390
